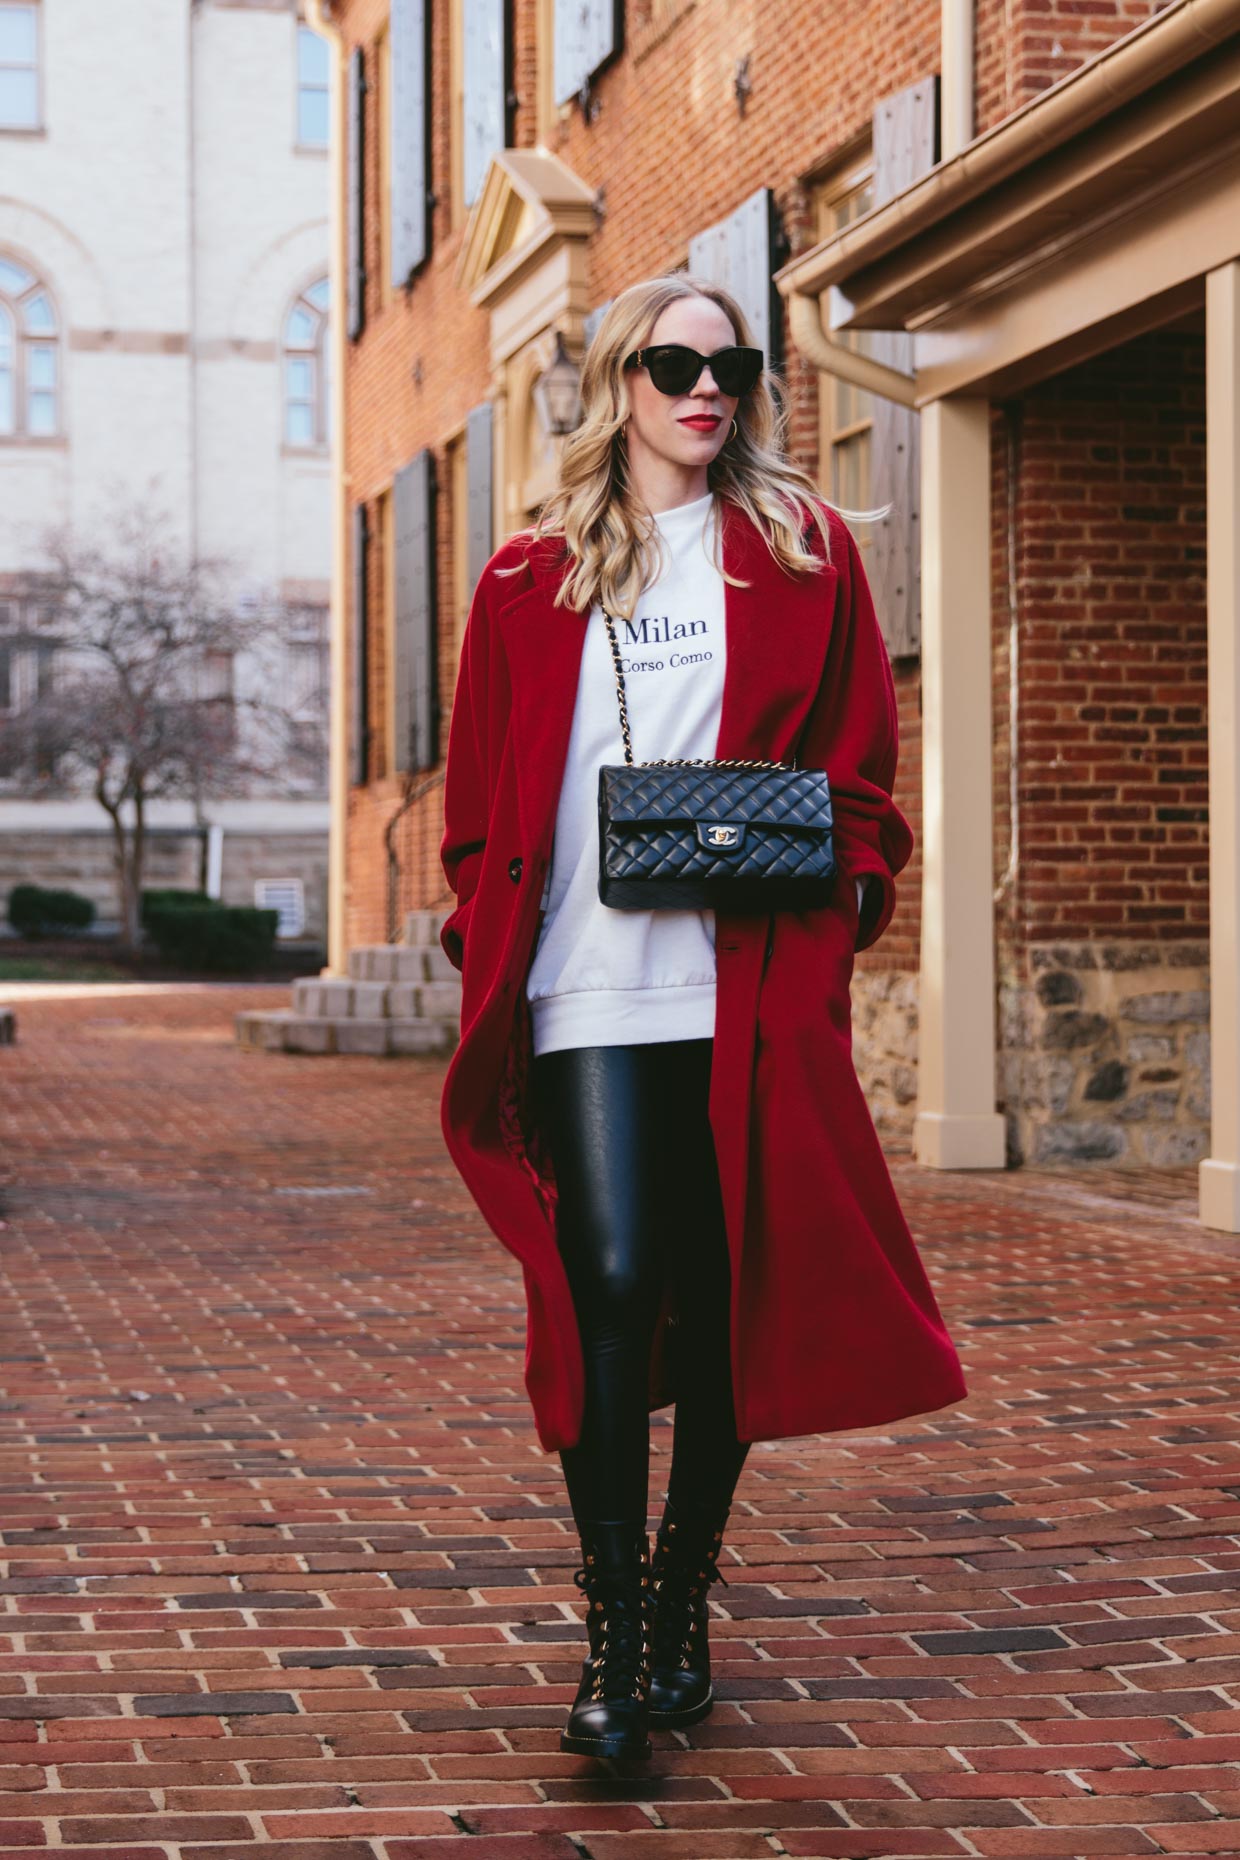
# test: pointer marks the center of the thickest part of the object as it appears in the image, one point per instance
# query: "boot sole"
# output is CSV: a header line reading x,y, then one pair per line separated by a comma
x,y
611,1747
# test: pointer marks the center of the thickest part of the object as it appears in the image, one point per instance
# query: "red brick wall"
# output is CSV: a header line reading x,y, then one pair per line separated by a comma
x,y
1108,500
1025,46
667,107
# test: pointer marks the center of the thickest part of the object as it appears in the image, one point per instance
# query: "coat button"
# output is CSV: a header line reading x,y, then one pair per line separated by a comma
x,y
514,870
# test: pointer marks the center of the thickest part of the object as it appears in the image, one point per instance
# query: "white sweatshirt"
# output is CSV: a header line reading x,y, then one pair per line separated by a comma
x,y
600,976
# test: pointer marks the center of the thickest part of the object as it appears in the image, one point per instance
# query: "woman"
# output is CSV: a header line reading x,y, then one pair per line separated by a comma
x,y
656,1111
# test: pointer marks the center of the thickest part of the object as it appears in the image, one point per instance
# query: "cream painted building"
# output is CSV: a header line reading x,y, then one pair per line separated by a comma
x,y
163,338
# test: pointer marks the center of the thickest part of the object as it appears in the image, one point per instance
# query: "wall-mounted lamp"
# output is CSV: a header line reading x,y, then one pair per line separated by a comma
x,y
557,392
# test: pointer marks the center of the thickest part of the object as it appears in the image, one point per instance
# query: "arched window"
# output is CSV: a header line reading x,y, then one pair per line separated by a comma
x,y
29,371
306,385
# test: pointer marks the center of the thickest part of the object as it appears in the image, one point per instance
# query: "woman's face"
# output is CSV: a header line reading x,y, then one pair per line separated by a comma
x,y
657,422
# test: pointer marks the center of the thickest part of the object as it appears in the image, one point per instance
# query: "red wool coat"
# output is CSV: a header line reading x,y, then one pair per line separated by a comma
x,y
833,1324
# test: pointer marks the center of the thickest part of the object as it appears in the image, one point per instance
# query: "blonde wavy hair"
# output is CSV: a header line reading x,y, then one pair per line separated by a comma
x,y
609,534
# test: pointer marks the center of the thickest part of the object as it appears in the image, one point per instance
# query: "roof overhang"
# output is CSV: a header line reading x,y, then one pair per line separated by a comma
x,y
1092,214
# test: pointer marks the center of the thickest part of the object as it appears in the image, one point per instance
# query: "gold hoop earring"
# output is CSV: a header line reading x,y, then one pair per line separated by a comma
x,y
733,434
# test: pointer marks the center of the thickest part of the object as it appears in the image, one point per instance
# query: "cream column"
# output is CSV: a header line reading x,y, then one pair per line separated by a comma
x,y
338,650
957,1126
1219,1178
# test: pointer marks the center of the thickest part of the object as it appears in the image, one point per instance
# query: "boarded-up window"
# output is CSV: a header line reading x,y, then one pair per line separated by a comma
x,y
905,131
359,657
355,206
409,163
485,103
587,34
479,491
739,254
414,667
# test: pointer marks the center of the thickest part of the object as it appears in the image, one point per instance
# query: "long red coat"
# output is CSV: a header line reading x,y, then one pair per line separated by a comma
x,y
833,1322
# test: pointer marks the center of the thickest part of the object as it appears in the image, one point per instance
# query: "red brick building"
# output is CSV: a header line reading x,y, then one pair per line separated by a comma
x,y
993,251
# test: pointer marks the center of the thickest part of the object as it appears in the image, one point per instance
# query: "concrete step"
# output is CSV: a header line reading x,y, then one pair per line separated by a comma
x,y
397,999
397,962
423,927
316,998
286,1031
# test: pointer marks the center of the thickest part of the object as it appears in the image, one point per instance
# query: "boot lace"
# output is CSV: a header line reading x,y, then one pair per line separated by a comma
x,y
681,1583
621,1654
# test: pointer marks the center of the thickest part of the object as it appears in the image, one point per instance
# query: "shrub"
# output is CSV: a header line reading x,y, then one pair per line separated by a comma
x,y
34,911
173,899
221,939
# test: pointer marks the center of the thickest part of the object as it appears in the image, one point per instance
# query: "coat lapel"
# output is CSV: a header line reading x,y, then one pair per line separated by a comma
x,y
776,631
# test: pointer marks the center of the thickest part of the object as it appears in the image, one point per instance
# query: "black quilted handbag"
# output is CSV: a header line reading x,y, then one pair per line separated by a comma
x,y
698,834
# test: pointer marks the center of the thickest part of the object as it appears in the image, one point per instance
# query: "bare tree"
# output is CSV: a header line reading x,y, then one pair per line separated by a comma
x,y
165,685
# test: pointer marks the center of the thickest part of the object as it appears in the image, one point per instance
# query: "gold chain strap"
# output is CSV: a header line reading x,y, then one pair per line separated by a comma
x,y
671,762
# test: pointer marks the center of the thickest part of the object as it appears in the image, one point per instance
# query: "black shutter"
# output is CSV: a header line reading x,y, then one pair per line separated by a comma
x,y
409,131
359,672
485,88
355,205
415,671
740,254
587,34
479,492
905,130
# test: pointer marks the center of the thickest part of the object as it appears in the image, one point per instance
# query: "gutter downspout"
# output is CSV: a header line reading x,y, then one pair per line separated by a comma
x,y
317,18
832,358
956,98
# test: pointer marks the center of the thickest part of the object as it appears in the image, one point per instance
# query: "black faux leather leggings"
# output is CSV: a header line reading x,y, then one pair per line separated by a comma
x,y
634,1159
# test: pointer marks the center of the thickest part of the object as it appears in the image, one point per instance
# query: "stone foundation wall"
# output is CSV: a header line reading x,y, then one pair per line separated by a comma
x,y
1105,1053
81,860
884,1022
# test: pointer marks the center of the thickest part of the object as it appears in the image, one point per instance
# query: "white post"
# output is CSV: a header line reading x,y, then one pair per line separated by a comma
x,y
957,1126
1219,1175
215,860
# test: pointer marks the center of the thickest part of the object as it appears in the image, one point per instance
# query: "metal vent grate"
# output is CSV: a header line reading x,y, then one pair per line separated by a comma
x,y
288,897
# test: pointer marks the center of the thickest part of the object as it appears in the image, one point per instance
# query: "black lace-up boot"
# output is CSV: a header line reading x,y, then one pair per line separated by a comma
x,y
683,1568
609,1716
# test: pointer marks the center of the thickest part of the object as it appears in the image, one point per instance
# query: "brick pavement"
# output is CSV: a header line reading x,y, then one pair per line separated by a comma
x,y
289,1576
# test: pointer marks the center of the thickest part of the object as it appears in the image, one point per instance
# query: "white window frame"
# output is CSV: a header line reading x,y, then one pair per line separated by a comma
x,y
303,87
16,302
34,8
318,355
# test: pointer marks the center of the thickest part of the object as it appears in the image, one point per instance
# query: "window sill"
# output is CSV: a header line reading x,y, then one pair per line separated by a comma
x,y
31,442
316,149
36,134
288,451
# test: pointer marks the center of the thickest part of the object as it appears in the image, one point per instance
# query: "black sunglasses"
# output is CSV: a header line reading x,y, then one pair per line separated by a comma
x,y
674,369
